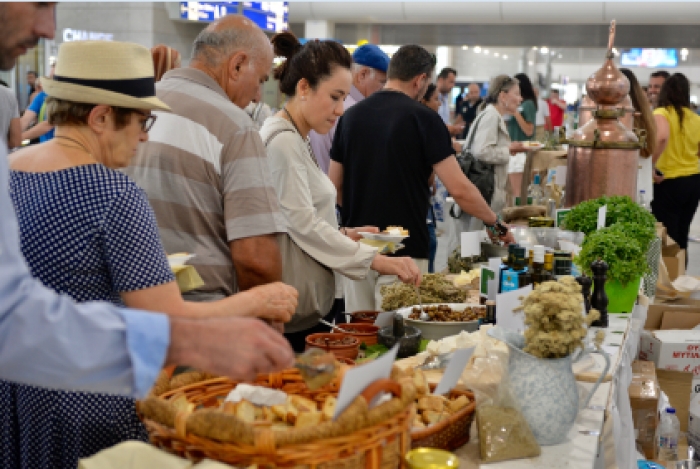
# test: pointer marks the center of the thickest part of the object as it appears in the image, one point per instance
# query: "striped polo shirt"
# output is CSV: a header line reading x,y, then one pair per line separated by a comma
x,y
205,171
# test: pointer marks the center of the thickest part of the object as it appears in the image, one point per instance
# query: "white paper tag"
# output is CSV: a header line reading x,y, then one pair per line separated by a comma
x,y
505,304
384,319
560,176
602,213
357,379
453,371
471,243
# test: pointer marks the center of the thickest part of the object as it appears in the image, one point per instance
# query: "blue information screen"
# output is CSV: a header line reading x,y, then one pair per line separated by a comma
x,y
269,16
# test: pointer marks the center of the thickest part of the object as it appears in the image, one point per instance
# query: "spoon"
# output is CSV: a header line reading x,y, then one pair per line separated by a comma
x,y
436,362
322,321
316,367
423,315
691,452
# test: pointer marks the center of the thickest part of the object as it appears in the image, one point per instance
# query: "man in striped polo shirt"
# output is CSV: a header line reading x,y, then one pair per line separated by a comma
x,y
204,167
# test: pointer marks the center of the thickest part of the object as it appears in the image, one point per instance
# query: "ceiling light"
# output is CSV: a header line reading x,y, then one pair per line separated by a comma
x,y
553,53
477,49
559,56
505,56
531,63
544,50
486,52
496,54
465,47
534,47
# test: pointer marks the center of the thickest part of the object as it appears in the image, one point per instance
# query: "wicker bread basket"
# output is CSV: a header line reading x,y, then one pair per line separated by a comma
x,y
359,438
450,433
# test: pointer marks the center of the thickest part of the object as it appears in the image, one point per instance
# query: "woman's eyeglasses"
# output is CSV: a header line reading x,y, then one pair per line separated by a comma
x,y
147,124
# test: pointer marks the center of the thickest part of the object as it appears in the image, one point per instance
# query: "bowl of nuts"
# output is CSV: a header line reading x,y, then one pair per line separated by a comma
x,y
444,320
341,345
366,333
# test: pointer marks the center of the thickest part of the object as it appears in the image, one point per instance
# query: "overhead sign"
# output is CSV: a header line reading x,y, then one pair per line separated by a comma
x,y
70,35
269,16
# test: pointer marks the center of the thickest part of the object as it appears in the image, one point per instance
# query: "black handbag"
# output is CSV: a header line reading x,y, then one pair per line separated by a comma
x,y
479,173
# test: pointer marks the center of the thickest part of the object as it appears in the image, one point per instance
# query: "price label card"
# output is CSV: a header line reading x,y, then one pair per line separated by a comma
x,y
471,243
357,379
505,304
560,214
602,213
454,369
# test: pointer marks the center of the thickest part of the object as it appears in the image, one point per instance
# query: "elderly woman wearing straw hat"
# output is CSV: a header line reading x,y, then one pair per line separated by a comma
x,y
87,231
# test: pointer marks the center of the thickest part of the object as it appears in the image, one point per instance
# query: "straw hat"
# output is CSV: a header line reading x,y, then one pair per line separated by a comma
x,y
105,72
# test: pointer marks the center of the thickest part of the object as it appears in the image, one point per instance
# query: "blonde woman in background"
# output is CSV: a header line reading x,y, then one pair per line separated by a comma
x,y
491,141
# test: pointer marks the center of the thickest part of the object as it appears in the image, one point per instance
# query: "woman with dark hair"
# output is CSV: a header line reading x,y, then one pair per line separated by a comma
x,y
675,159
644,121
521,126
316,78
431,98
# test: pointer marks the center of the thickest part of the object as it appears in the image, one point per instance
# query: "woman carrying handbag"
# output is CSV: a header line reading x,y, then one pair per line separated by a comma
x,y
316,78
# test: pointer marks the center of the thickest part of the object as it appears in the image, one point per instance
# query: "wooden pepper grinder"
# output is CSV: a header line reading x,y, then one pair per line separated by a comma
x,y
599,300
585,282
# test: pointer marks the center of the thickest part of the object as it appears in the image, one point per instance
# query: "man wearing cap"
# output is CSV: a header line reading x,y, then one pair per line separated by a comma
x,y
368,76
48,340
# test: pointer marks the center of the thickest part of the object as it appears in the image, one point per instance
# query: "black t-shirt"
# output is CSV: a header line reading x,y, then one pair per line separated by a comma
x,y
388,144
468,111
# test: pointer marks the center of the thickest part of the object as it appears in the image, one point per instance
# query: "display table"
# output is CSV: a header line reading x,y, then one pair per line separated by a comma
x,y
602,437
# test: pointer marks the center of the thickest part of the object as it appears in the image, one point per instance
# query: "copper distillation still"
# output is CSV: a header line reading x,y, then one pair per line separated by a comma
x,y
603,155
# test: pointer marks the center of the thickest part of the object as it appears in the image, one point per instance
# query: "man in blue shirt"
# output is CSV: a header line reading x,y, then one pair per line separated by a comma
x,y
48,340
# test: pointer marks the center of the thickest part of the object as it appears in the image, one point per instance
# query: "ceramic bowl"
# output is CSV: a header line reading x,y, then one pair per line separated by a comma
x,y
366,333
409,343
346,351
366,317
434,330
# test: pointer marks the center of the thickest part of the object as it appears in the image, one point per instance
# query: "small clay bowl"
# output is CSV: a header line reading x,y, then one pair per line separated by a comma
x,y
367,332
364,317
409,345
350,350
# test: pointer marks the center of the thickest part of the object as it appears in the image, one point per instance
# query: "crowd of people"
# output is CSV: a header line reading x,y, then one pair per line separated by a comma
x,y
168,159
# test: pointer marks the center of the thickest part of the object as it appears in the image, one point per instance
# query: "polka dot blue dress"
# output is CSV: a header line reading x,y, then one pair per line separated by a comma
x,y
87,232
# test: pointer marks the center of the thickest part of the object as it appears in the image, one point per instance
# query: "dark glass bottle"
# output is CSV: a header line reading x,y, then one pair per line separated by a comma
x,y
599,300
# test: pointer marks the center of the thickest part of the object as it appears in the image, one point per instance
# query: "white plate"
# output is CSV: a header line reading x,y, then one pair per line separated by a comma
x,y
529,147
436,330
177,260
387,238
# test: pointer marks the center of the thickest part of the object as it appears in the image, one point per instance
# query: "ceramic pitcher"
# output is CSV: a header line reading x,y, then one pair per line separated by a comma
x,y
545,388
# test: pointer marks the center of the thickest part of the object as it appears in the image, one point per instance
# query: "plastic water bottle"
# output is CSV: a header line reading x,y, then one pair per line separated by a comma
x,y
643,201
534,191
669,431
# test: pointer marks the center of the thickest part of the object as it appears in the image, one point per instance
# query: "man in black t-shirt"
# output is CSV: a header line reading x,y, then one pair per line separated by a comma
x,y
469,108
384,152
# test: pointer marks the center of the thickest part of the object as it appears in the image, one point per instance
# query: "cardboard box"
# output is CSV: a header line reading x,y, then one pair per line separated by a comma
x,y
669,342
673,257
644,400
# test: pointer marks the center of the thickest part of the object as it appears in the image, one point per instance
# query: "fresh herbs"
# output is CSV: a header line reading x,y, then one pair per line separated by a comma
x,y
584,216
622,252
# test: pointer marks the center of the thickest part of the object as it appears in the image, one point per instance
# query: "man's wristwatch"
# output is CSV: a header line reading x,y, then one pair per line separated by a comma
x,y
499,228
